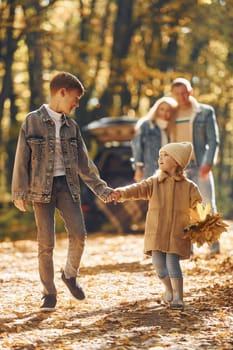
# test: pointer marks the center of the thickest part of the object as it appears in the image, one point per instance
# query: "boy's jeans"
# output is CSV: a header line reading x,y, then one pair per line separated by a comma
x,y
71,214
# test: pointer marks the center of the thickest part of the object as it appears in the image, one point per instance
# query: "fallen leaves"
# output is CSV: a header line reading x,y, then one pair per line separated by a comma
x,y
205,227
123,308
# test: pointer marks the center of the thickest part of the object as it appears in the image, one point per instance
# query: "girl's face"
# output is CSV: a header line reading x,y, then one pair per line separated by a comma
x,y
164,111
167,163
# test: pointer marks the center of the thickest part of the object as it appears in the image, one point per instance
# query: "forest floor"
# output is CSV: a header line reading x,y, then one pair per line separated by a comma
x,y
122,309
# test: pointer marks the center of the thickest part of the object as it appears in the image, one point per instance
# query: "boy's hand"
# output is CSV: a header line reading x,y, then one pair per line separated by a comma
x,y
20,204
114,196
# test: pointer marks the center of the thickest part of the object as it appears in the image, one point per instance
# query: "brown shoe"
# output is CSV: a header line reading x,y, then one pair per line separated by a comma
x,y
49,303
73,286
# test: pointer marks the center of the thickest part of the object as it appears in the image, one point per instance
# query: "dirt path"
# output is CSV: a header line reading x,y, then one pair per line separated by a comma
x,y
122,309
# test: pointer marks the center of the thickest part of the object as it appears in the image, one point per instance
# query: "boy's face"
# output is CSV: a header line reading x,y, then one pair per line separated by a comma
x,y
167,163
68,100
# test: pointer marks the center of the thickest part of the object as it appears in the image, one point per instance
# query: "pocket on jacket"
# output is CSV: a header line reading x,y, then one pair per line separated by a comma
x,y
37,146
74,147
152,221
181,220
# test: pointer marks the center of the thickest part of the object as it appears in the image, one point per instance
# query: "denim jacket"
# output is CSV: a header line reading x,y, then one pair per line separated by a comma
x,y
205,135
34,159
145,147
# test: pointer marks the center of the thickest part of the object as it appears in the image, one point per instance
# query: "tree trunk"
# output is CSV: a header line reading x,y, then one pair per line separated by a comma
x,y
116,98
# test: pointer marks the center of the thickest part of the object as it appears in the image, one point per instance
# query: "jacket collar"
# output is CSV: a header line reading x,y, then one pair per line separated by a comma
x,y
46,117
162,176
195,105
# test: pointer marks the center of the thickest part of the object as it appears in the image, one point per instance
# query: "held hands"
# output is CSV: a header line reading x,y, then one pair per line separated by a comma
x,y
114,196
20,204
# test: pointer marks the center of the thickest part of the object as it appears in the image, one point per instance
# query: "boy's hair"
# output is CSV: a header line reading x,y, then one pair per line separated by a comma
x,y
66,80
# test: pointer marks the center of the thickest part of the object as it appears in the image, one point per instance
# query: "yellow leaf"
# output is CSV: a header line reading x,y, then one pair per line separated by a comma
x,y
194,216
203,211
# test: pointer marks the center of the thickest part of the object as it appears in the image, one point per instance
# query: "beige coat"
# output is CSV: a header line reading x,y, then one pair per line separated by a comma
x,y
168,213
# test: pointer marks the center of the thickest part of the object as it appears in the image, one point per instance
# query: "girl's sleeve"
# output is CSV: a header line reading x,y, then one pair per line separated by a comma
x,y
141,190
195,196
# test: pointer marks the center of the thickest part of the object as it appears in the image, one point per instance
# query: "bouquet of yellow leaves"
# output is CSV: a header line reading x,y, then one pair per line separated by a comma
x,y
205,227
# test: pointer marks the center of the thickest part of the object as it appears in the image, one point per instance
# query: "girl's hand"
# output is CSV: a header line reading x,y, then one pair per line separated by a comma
x,y
114,196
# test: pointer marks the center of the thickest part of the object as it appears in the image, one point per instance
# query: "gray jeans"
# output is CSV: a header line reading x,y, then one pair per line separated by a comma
x,y
72,216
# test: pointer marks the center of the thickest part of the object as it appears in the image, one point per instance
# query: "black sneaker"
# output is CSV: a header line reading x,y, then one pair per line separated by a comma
x,y
49,302
73,286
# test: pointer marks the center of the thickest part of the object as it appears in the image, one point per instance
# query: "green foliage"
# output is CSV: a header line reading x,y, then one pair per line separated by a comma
x,y
15,225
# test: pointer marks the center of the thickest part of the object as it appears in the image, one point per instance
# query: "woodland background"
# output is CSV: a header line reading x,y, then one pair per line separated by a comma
x,y
126,53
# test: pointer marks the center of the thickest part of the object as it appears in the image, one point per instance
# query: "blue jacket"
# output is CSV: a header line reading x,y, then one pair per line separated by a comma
x,y
205,135
145,147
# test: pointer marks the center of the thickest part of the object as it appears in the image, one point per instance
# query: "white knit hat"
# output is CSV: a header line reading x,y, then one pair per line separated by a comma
x,y
180,151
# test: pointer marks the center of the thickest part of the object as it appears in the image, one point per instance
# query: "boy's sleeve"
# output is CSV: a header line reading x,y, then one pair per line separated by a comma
x,y
89,172
20,178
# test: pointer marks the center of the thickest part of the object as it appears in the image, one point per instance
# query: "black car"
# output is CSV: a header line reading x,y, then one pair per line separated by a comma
x,y
114,161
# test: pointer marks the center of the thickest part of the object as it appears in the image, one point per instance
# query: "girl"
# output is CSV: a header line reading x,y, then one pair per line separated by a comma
x,y
170,196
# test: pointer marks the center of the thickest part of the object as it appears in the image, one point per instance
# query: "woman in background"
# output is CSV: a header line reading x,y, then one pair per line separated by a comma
x,y
153,131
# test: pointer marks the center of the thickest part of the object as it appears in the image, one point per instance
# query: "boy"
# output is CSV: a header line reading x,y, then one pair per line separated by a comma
x,y
50,157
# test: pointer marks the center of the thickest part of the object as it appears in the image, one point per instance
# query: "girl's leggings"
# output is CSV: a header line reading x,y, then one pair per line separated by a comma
x,y
166,264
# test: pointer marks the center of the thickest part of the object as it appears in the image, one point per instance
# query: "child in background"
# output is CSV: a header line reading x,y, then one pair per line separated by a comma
x,y
170,196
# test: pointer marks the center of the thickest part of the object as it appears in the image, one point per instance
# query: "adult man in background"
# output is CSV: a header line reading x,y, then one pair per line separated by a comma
x,y
196,122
